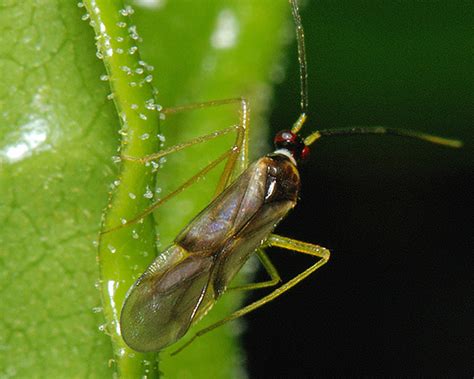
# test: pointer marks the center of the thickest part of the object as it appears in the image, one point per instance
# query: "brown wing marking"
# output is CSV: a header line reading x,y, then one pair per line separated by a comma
x,y
209,231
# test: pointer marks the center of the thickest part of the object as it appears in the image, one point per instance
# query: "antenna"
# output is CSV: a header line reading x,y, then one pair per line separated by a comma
x,y
447,142
346,131
301,56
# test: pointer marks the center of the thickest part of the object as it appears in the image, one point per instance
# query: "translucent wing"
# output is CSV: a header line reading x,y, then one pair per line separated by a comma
x,y
185,280
162,304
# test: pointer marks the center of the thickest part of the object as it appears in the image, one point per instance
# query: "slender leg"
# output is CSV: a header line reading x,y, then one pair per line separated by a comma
x,y
200,105
181,146
271,270
240,150
237,160
236,156
285,243
178,190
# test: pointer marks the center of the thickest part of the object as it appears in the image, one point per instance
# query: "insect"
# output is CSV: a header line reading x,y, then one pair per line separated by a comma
x,y
186,279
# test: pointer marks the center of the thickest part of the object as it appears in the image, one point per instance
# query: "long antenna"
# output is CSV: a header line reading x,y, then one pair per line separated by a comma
x,y
383,130
301,56
346,131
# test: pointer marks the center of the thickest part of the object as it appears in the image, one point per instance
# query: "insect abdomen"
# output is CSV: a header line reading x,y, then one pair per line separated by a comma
x,y
271,179
281,186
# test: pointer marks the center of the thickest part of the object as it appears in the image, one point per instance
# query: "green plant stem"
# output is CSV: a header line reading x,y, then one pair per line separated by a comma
x,y
126,252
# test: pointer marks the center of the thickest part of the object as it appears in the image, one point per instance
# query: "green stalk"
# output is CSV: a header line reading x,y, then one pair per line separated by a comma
x,y
126,252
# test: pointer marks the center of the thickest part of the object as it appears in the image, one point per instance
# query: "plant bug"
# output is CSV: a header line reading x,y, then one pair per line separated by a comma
x,y
186,279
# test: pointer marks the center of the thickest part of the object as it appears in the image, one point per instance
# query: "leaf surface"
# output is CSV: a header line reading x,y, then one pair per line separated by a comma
x,y
58,134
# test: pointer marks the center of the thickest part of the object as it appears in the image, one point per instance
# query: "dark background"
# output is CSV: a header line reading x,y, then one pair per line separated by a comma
x,y
397,295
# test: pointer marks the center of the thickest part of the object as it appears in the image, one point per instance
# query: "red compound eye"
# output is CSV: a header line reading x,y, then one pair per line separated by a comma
x,y
305,153
285,139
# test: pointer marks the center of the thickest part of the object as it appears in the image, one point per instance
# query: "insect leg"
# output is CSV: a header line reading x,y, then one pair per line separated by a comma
x,y
193,179
285,243
271,270
238,159
238,153
200,105
181,146
242,139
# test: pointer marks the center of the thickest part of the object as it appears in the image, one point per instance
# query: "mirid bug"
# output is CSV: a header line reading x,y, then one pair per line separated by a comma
x,y
186,279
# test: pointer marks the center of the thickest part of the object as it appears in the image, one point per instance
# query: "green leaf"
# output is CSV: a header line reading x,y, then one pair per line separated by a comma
x,y
58,135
